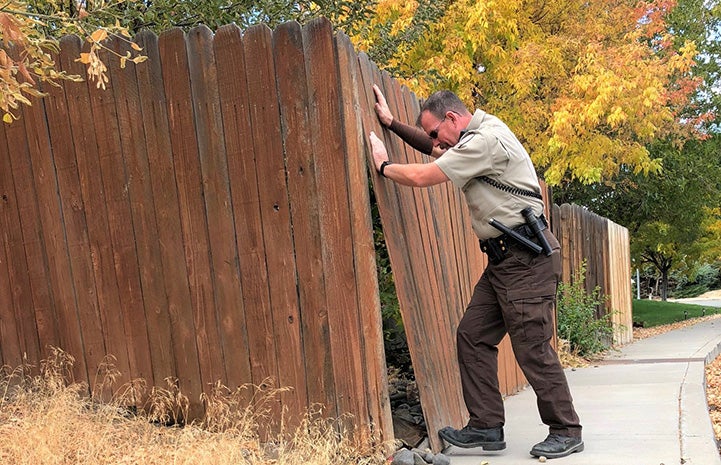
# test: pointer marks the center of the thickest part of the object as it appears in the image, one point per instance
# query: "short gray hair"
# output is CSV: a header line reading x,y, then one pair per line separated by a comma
x,y
441,102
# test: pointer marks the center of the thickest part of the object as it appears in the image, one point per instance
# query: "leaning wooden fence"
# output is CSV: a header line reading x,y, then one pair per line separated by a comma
x,y
602,246
206,219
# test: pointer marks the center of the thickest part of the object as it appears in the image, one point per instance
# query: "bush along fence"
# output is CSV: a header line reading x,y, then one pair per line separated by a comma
x,y
206,219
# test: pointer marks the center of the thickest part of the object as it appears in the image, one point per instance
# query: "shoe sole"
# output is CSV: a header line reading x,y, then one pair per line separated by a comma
x,y
558,455
496,445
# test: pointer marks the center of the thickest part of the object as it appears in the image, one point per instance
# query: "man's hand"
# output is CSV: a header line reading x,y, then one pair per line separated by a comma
x,y
379,151
381,107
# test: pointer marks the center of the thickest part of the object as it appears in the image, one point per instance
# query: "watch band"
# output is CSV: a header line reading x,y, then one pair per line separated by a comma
x,y
383,167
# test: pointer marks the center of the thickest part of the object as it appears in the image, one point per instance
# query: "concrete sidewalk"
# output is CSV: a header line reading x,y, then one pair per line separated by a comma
x,y
645,404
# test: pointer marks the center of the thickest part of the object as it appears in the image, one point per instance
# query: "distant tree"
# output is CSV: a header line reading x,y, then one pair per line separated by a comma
x,y
700,21
670,215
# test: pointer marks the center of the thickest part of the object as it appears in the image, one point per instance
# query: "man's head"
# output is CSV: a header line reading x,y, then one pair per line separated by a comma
x,y
443,117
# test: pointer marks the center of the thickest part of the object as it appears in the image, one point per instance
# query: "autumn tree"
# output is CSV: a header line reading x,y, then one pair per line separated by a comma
x,y
700,22
585,85
673,215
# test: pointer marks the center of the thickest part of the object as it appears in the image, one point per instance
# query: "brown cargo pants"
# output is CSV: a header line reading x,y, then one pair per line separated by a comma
x,y
516,296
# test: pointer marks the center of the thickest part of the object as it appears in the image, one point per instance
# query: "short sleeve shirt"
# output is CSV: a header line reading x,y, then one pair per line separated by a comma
x,y
487,147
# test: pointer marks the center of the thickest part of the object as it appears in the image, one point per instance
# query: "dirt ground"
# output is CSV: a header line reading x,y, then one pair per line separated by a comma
x,y
708,295
711,295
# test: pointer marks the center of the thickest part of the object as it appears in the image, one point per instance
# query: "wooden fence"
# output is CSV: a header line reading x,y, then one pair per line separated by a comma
x,y
206,219
604,248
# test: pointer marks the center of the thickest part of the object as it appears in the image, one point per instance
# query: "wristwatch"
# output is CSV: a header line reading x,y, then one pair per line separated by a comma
x,y
383,167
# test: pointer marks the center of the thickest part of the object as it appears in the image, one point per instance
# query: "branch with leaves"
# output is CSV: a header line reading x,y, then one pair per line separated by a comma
x,y
29,33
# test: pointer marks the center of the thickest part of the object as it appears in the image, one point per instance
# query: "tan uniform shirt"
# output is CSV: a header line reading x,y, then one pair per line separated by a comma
x,y
489,148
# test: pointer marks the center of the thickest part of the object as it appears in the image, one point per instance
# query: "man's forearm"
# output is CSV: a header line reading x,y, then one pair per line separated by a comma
x,y
414,174
412,136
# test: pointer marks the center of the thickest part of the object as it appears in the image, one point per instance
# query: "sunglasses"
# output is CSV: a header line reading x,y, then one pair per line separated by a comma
x,y
434,133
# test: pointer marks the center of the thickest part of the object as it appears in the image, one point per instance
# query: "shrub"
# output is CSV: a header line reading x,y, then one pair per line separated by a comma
x,y
578,323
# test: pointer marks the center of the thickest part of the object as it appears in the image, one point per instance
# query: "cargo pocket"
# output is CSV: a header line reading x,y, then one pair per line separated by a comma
x,y
533,319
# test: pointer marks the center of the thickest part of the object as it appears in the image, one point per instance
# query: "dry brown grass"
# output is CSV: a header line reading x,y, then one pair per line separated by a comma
x,y
46,420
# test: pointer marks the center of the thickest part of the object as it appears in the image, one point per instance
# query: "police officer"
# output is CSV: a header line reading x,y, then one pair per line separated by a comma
x,y
517,292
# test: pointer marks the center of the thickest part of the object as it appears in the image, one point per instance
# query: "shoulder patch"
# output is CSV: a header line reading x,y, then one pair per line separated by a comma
x,y
466,136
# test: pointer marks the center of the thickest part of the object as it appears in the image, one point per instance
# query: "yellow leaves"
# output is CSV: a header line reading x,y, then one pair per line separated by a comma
x,y
616,118
96,68
398,13
127,57
33,52
99,35
685,59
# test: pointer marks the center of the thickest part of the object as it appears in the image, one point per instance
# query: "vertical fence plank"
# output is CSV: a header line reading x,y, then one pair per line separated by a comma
x,y
335,222
420,325
278,232
142,335
438,293
226,261
42,150
223,286
20,136
18,327
74,219
122,260
293,99
192,188
274,202
195,334
369,312
10,347
117,257
257,359
94,201
166,296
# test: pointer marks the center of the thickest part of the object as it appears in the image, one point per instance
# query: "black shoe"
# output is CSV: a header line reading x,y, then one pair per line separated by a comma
x,y
555,446
488,439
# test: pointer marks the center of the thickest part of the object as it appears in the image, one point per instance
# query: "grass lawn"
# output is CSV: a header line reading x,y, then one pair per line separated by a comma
x,y
648,313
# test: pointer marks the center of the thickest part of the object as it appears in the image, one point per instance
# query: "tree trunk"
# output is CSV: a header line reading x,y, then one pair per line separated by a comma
x,y
664,284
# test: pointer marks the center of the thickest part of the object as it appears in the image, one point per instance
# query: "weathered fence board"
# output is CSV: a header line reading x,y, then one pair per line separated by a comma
x,y
18,332
253,339
165,293
371,326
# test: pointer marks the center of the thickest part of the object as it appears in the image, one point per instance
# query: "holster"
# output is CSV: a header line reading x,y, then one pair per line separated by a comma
x,y
496,248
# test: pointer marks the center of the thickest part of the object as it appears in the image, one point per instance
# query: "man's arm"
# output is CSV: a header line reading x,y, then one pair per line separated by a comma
x,y
411,174
411,135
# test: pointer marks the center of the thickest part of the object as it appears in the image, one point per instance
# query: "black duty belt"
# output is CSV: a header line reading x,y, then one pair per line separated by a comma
x,y
498,248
